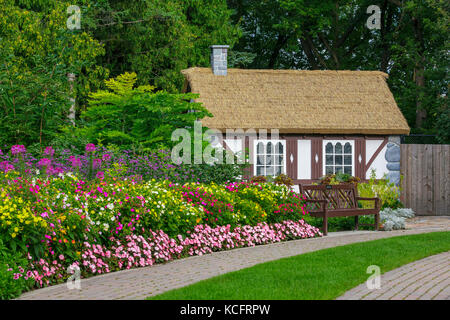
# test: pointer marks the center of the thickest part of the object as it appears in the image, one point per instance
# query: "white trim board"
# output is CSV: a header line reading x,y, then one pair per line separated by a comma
x,y
304,159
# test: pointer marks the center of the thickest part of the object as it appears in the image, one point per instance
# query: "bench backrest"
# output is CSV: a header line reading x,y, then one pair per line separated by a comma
x,y
342,196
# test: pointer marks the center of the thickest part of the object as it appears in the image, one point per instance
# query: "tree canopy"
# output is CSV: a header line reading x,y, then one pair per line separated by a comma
x,y
158,38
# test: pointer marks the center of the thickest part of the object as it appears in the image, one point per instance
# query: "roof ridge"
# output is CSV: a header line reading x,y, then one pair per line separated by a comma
x,y
292,71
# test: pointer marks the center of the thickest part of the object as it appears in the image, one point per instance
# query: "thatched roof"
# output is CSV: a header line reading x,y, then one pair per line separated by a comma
x,y
294,101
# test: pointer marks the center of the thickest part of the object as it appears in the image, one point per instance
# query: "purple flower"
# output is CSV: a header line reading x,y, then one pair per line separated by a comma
x,y
6,166
90,147
106,157
44,162
97,163
18,149
76,162
49,151
100,175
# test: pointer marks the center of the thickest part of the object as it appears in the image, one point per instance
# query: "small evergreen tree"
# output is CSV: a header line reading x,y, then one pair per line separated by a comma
x,y
136,117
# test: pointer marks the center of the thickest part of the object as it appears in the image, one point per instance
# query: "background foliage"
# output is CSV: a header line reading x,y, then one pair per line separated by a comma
x,y
158,38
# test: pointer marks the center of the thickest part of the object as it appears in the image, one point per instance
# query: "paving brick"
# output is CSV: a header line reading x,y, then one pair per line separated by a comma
x,y
424,279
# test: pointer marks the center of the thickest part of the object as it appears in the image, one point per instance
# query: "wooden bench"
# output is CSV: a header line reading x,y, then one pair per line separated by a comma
x,y
337,201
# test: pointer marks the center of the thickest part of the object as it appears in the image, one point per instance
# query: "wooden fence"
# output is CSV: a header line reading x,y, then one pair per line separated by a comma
x,y
426,178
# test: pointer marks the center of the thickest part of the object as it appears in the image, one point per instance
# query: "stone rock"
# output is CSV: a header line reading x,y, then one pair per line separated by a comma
x,y
393,166
394,176
394,139
393,154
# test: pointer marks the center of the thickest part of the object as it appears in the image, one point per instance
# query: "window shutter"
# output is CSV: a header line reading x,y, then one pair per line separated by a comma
x,y
316,158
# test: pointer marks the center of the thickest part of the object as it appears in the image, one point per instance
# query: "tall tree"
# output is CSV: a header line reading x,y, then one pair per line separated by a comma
x,y
37,50
158,38
411,45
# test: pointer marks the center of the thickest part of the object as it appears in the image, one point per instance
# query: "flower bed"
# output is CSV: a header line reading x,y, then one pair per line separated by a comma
x,y
111,223
139,251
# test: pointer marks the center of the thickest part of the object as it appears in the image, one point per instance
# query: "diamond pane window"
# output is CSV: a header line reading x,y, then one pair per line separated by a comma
x,y
270,157
338,156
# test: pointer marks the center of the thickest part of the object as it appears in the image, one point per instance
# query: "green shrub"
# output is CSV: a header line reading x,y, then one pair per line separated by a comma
x,y
388,192
12,265
341,223
338,178
283,179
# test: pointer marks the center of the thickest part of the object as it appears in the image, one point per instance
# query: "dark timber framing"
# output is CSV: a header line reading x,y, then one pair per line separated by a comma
x,y
360,167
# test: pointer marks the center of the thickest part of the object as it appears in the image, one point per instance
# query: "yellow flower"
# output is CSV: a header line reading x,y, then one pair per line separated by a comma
x,y
13,235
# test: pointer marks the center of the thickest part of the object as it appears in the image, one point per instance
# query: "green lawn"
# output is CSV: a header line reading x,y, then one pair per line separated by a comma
x,y
324,274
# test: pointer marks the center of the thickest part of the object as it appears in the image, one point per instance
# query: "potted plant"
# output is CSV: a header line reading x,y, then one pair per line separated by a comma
x,y
339,178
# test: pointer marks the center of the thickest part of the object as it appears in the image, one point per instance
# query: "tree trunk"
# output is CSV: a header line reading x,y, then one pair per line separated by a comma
x,y
386,23
309,54
281,41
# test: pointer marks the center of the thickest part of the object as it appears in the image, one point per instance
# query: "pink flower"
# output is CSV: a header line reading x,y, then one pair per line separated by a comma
x,y
49,151
100,175
97,163
18,149
76,162
6,166
90,147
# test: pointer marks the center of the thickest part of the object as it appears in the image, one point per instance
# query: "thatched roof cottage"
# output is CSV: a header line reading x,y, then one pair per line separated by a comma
x,y
328,121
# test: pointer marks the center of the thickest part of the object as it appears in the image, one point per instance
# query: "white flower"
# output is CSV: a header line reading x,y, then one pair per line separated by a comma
x,y
110,206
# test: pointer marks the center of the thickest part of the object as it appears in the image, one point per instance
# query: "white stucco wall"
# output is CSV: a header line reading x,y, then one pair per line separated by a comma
x,y
234,145
379,164
304,159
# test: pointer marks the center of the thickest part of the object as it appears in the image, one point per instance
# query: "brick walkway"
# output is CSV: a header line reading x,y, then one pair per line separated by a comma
x,y
143,282
426,279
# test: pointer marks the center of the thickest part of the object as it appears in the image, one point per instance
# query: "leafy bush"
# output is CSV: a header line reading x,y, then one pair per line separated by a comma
x,y
258,179
388,192
13,278
283,179
394,219
338,178
341,223
136,117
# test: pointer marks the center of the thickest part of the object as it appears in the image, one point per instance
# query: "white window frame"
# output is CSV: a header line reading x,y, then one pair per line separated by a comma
x,y
265,142
334,142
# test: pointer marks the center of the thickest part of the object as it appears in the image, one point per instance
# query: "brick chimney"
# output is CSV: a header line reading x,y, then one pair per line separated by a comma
x,y
219,59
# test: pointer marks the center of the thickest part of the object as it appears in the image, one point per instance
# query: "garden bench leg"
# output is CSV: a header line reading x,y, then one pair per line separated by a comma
x,y
325,224
356,223
377,221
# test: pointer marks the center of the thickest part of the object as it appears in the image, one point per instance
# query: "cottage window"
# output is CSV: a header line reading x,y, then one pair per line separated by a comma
x,y
270,157
338,156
